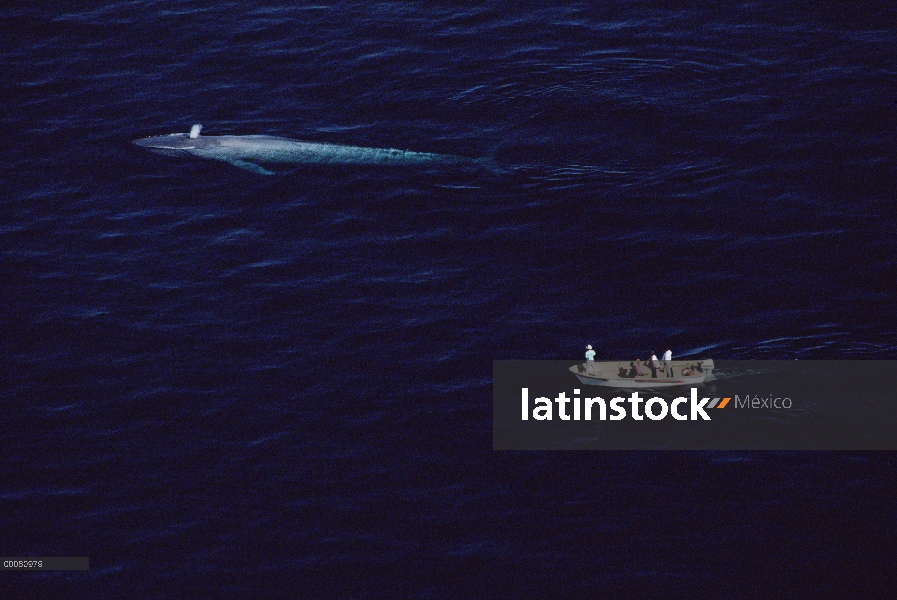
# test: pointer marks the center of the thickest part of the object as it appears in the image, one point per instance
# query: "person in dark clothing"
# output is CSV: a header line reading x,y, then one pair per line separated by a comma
x,y
653,365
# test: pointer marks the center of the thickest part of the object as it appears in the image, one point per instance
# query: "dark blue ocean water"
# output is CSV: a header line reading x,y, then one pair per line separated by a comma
x,y
219,384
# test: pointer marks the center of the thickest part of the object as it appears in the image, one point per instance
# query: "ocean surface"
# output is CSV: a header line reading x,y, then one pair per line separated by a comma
x,y
224,385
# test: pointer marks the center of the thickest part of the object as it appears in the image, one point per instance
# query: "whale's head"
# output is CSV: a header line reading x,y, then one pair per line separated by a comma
x,y
176,144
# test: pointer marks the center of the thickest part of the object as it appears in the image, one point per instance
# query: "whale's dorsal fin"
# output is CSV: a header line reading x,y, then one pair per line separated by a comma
x,y
194,131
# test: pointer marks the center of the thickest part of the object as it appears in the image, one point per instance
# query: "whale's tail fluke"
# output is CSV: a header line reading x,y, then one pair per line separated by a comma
x,y
194,131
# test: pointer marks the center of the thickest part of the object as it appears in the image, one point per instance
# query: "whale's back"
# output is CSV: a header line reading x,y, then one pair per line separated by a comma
x,y
246,150
267,148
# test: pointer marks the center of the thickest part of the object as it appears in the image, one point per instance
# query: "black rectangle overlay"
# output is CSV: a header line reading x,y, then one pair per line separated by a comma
x,y
773,405
45,563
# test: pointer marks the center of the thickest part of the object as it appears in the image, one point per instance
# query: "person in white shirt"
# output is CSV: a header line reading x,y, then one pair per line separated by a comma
x,y
590,360
668,363
655,364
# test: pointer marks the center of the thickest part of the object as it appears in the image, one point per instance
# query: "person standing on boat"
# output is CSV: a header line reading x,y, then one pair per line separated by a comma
x,y
655,364
668,363
590,360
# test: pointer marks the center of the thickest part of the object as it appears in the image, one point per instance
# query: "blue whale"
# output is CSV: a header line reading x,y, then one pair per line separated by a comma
x,y
247,151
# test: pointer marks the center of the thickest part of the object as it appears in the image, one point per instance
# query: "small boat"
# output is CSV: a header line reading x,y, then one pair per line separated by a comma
x,y
622,373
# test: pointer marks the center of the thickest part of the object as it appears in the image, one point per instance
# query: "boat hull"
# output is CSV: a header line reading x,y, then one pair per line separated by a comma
x,y
620,374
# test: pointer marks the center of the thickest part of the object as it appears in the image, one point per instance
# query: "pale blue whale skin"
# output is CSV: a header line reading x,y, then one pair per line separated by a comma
x,y
245,151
